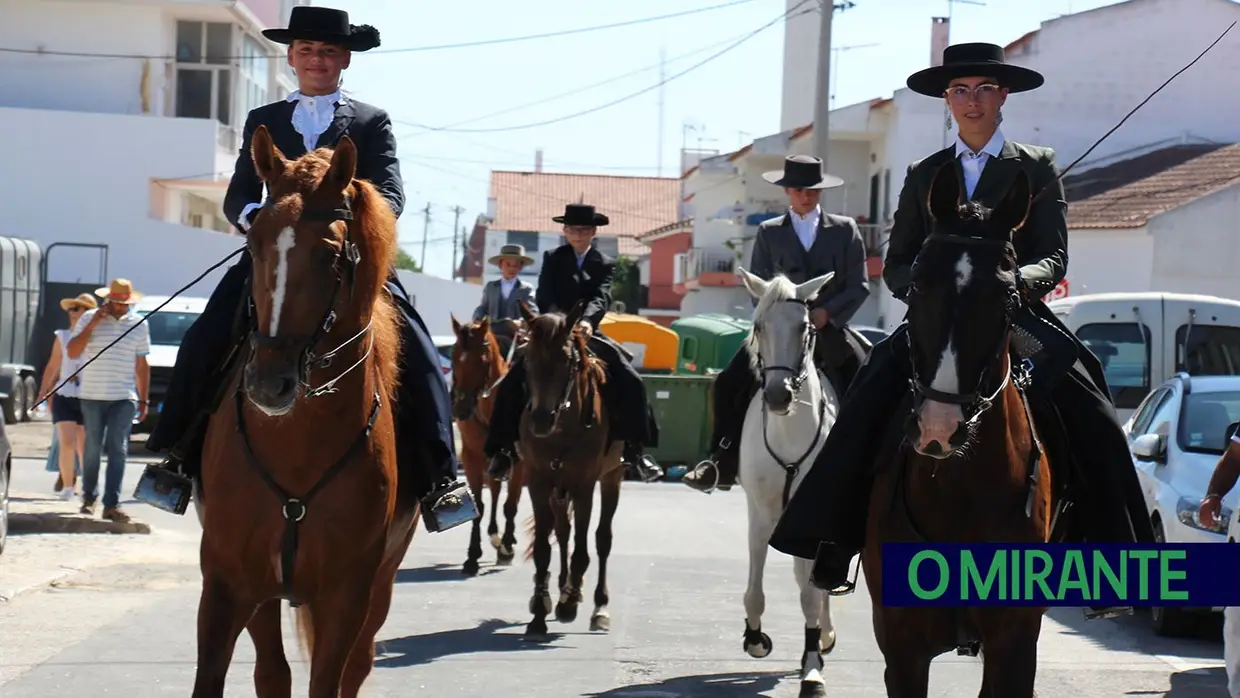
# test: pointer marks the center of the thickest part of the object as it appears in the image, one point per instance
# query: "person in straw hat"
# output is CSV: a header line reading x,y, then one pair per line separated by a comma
x,y
66,407
500,297
571,273
109,383
802,244
321,43
826,518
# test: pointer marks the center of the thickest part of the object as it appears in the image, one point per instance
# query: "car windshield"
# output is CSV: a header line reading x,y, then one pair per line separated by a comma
x,y
168,327
1204,419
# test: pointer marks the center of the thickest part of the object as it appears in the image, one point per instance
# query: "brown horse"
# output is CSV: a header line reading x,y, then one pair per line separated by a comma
x,y
566,448
975,471
303,498
478,365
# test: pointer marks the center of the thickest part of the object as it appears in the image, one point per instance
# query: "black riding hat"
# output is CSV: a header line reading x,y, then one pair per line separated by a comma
x,y
327,25
582,214
802,172
973,60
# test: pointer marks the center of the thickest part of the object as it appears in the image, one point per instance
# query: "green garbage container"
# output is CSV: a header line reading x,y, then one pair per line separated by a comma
x,y
708,342
682,407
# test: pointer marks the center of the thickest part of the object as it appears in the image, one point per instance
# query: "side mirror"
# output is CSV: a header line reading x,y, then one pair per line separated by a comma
x,y
1151,447
1231,432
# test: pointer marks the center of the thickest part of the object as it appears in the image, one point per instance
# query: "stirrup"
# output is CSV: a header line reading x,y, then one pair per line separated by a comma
x,y
449,506
701,467
165,487
848,587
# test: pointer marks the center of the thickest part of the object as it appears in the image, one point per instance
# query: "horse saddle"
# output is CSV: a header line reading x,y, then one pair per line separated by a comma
x,y
1048,347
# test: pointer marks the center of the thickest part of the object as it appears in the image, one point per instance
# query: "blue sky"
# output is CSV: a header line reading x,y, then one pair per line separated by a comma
x,y
733,98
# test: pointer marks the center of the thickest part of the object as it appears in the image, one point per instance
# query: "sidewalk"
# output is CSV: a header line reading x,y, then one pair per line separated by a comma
x,y
50,542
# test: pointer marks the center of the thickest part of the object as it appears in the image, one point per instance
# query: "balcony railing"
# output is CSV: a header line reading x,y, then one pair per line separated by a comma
x,y
717,266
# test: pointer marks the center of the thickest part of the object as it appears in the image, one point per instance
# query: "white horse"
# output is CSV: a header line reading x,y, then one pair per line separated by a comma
x,y
785,427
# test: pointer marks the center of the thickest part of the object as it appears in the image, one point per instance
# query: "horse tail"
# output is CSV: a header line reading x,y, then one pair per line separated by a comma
x,y
530,530
304,624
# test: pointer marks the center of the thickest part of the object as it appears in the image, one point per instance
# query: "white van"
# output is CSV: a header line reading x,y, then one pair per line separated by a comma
x,y
167,328
1144,339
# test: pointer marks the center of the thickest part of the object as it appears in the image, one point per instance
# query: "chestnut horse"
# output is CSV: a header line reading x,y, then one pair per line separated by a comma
x,y
478,365
990,481
303,499
566,449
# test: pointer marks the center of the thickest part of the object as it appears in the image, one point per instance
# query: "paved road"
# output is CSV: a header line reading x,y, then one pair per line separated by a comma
x,y
128,628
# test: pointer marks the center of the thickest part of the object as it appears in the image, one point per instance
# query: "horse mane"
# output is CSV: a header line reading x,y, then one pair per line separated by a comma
x,y
373,230
592,370
778,290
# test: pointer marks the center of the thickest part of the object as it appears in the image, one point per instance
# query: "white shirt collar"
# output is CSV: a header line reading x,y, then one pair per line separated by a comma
x,y
992,148
508,283
333,99
812,216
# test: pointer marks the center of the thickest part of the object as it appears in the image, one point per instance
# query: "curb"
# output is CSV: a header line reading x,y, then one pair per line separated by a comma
x,y
57,522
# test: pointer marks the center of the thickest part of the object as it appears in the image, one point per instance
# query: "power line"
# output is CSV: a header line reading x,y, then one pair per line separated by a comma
x,y
613,102
408,49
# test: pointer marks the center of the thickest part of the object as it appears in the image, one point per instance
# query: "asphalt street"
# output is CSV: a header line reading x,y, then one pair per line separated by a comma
x,y
123,621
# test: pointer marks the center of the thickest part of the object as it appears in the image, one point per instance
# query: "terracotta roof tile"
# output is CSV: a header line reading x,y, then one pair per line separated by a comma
x,y
1128,194
528,200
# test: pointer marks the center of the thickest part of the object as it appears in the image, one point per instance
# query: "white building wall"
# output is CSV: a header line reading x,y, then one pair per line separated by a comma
x,y
1110,261
438,300
1196,248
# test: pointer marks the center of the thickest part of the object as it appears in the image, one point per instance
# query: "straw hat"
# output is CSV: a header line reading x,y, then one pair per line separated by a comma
x,y
84,301
121,291
516,252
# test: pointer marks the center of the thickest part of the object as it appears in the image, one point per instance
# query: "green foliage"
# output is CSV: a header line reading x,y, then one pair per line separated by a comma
x,y
404,261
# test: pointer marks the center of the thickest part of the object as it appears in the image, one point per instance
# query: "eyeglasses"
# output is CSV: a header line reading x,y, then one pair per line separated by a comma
x,y
963,94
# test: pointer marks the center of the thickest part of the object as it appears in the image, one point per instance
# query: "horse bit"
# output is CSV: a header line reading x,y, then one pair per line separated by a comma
x,y
799,376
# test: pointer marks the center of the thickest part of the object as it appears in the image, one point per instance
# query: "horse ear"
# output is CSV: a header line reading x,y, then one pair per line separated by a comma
x,y
808,290
754,284
525,311
575,315
485,325
456,325
268,160
1013,210
344,165
945,195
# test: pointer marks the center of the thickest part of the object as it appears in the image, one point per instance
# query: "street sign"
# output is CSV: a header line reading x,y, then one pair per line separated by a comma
x,y
1060,291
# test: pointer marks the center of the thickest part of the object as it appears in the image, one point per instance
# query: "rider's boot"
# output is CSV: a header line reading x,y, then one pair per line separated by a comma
x,y
636,458
718,472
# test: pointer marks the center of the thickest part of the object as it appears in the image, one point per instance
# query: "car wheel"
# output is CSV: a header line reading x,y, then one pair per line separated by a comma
x,y
5,471
1170,622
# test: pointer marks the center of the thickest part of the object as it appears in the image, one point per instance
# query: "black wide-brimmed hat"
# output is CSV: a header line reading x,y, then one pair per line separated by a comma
x,y
802,172
973,60
582,214
327,25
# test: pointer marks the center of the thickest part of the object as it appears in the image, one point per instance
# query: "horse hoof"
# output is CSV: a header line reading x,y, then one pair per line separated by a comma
x,y
504,555
827,643
495,541
566,613
761,649
536,631
813,689
470,568
601,622
544,601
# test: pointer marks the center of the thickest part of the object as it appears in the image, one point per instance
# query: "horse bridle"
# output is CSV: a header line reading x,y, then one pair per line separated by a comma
x,y
345,267
566,396
800,374
974,403
484,392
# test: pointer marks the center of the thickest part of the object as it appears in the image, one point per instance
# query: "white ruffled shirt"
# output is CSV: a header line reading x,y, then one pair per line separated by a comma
x,y
312,116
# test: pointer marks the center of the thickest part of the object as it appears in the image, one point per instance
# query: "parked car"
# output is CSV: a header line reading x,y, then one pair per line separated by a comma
x,y
6,475
444,343
1176,436
167,328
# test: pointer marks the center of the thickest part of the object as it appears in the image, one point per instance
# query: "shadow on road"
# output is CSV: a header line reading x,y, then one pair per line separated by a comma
x,y
747,685
439,572
1133,633
1198,683
413,650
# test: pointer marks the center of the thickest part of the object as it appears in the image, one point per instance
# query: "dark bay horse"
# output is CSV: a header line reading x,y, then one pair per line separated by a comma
x,y
303,496
478,364
565,447
970,468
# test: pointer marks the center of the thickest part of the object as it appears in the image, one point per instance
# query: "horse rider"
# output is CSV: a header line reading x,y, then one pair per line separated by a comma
x,y
1226,473
826,519
500,298
321,44
802,244
571,273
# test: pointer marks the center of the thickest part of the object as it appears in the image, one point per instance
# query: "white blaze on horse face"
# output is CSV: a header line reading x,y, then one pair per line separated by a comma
x,y
284,243
939,420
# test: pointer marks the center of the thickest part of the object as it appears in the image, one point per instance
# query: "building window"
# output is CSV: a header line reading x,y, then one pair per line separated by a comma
x,y
255,75
204,71
525,238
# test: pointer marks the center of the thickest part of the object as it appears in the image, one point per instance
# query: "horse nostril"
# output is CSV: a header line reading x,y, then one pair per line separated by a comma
x,y
933,448
287,385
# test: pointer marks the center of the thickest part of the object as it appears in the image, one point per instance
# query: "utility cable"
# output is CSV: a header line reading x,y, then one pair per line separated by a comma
x,y
408,49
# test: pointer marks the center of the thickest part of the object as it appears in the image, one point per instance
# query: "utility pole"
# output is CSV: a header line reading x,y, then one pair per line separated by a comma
x,y
426,229
456,226
456,240
822,98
